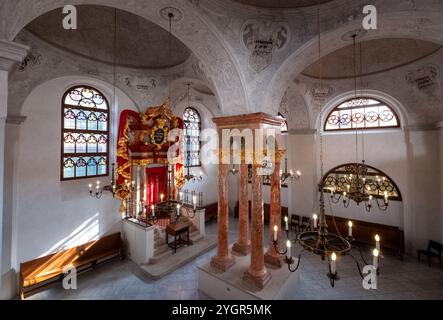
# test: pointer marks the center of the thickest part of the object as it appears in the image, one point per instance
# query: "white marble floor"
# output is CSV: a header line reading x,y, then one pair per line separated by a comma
x,y
124,280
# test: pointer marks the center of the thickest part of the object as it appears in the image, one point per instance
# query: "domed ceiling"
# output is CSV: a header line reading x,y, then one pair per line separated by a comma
x,y
140,43
377,56
281,3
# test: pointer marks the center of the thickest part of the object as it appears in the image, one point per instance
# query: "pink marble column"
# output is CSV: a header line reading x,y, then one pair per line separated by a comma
x,y
271,256
243,245
257,273
223,260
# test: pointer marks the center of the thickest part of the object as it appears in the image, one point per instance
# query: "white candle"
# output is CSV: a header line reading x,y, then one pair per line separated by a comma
x,y
178,210
275,233
180,195
161,197
298,174
315,217
194,202
286,224
386,197
288,246
375,263
152,210
350,229
90,187
377,242
333,263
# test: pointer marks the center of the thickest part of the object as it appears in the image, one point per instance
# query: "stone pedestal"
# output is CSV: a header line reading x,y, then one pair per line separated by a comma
x,y
243,245
223,259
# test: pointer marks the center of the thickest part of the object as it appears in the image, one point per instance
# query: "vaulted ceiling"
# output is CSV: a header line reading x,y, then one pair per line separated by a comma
x,y
376,56
281,3
140,43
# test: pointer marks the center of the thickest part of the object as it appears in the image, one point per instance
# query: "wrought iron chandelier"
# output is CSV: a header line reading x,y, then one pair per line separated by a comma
x,y
318,240
355,183
289,174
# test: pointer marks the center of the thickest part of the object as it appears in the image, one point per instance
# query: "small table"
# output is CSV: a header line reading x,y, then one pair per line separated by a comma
x,y
176,230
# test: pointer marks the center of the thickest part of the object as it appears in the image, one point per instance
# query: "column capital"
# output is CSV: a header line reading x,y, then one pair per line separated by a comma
x,y
11,53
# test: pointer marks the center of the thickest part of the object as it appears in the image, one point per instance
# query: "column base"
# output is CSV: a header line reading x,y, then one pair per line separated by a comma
x,y
242,249
260,281
222,263
275,260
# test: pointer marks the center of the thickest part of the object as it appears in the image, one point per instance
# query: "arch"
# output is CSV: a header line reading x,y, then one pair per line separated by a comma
x,y
336,179
400,24
194,31
389,100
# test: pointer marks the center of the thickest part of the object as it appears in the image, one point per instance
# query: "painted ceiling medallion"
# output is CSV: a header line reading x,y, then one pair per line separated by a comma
x,y
177,13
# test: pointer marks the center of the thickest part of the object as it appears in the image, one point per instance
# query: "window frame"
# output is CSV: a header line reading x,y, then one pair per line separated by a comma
x,y
380,102
199,140
64,130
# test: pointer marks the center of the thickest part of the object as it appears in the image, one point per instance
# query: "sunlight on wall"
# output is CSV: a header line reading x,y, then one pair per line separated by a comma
x,y
87,231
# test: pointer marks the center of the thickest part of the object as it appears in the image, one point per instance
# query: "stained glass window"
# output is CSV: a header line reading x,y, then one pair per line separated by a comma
x,y
85,134
284,125
362,113
192,122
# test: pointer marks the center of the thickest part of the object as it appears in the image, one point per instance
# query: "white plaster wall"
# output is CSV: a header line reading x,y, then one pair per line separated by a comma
x,y
53,214
441,181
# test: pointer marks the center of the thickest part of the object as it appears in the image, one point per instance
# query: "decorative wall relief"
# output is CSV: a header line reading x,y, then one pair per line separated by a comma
x,y
321,92
141,84
32,61
261,37
424,77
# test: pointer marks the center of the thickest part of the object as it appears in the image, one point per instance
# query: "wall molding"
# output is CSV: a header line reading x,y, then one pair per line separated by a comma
x,y
17,120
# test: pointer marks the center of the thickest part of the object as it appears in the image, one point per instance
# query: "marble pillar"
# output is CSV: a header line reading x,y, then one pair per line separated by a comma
x,y
243,245
223,260
272,257
257,274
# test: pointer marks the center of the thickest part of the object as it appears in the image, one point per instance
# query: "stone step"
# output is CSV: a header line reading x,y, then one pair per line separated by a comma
x,y
164,251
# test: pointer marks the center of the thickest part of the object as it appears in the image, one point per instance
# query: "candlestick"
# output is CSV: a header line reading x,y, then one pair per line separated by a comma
x,y
194,202
377,242
181,195
161,197
315,217
375,262
275,233
152,210
288,246
286,224
333,263
178,210
350,229
386,197
90,187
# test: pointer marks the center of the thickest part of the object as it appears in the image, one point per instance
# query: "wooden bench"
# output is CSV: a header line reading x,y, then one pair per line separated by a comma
x,y
211,211
41,272
392,238
266,208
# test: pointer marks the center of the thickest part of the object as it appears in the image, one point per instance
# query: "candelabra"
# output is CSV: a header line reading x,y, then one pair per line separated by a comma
x,y
193,177
359,188
234,171
289,175
113,188
321,242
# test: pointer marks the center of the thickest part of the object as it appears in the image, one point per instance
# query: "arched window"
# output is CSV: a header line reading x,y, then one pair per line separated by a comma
x,y
284,126
361,113
85,134
192,121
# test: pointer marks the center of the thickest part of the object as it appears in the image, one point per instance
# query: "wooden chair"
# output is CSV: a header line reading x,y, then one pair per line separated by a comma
x,y
433,251
295,222
305,223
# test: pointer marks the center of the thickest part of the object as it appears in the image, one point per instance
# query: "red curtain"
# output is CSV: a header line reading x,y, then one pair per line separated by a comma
x,y
157,184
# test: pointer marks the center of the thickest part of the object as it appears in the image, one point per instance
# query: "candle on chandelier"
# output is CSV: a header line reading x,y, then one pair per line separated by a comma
x,y
350,229
377,242
291,173
375,262
315,217
386,197
333,263
180,195
152,210
288,247
90,187
133,183
298,173
286,224
178,210
275,233
348,187
194,202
